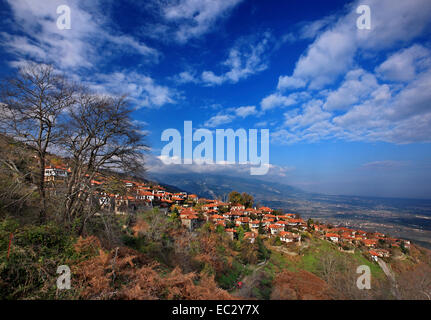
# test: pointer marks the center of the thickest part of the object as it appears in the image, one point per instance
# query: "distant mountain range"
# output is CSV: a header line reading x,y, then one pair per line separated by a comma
x,y
219,186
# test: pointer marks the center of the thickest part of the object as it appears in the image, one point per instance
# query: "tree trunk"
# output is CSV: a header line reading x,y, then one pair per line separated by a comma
x,y
42,192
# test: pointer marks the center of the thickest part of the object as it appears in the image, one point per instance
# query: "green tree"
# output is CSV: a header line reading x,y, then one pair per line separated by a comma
x,y
263,252
261,230
235,197
247,200
241,233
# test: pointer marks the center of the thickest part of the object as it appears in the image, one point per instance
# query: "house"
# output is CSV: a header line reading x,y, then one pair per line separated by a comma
x,y
347,237
371,243
178,200
266,210
287,216
193,197
275,229
382,253
237,214
250,236
288,237
333,237
254,224
210,206
282,223
228,215
53,173
269,216
237,207
145,195
216,218
231,233
190,221
267,222
295,222
242,221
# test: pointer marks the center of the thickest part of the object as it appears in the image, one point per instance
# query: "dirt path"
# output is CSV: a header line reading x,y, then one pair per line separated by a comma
x,y
283,250
391,276
249,282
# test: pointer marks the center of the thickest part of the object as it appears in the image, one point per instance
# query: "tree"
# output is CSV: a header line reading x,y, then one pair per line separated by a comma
x,y
244,199
99,135
247,200
241,233
261,230
33,100
235,197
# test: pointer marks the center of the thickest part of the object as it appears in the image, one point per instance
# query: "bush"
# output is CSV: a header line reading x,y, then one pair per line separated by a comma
x,y
36,252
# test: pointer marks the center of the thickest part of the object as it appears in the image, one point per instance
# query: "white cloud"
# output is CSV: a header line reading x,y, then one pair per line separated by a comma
x,y
218,120
80,50
245,111
357,86
247,57
285,82
405,64
141,88
391,104
229,115
312,113
209,77
334,50
155,165
41,40
188,19
277,100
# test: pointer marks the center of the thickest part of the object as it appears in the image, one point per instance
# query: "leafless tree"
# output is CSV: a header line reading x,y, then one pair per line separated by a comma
x,y
98,134
31,103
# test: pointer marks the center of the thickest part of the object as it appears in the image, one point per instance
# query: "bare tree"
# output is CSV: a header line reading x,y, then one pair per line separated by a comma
x,y
32,102
98,134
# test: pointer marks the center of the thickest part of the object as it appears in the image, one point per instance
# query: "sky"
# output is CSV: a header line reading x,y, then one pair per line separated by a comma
x,y
348,109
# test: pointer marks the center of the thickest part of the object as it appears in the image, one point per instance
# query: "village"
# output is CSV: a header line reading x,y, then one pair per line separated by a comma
x,y
289,229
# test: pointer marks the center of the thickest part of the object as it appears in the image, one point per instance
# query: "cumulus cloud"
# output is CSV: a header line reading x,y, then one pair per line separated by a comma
x,y
277,100
358,85
141,89
405,64
388,103
80,50
39,38
334,50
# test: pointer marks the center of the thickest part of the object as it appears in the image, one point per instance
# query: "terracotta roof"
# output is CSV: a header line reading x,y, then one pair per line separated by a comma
x,y
332,235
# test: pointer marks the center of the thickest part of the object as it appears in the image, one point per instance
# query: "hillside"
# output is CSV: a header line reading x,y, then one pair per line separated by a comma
x,y
152,242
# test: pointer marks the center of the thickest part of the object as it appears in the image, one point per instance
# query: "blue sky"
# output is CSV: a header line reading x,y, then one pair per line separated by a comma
x,y
349,110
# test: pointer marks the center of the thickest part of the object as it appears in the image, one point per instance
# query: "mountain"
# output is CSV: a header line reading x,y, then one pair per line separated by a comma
x,y
219,186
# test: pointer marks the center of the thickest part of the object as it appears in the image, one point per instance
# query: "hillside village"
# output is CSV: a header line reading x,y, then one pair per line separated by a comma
x,y
234,218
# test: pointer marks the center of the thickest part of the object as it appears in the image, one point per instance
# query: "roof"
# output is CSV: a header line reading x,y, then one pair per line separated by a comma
x,y
275,226
266,209
332,235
